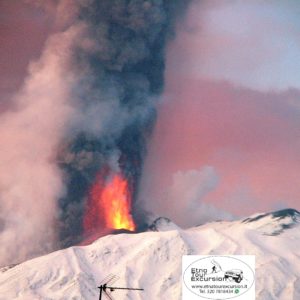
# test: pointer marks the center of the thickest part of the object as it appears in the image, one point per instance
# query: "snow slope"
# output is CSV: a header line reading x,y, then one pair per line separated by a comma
x,y
152,260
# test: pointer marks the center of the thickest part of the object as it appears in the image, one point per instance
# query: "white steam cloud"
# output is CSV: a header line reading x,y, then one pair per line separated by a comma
x,y
30,181
184,199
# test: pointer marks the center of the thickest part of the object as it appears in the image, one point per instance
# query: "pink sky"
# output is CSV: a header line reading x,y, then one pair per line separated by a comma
x,y
230,109
250,138
216,111
23,31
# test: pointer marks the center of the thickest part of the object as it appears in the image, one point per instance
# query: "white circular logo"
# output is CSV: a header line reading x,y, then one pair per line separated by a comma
x,y
218,277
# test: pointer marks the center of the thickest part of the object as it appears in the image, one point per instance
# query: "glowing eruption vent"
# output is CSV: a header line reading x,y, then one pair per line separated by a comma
x,y
110,205
115,198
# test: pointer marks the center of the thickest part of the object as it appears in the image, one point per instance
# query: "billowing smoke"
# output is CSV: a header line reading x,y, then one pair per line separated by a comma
x,y
182,199
124,58
88,103
30,135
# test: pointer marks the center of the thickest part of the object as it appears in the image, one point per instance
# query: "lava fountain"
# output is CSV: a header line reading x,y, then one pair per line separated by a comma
x,y
109,204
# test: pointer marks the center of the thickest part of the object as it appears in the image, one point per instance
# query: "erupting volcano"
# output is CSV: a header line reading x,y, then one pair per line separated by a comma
x,y
109,204
115,200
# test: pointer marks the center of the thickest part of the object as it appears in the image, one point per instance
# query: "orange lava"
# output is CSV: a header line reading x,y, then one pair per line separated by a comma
x,y
109,205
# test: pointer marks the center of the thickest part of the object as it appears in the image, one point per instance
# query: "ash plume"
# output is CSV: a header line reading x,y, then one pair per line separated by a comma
x,y
87,103
123,53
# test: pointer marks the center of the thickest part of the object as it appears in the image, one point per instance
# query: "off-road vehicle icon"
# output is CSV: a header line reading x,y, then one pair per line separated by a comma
x,y
235,274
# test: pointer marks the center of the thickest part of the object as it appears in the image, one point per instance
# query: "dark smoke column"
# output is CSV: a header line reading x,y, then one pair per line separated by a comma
x,y
126,63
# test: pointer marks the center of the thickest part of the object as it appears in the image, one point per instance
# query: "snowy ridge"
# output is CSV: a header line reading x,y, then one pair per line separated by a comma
x,y
152,260
274,223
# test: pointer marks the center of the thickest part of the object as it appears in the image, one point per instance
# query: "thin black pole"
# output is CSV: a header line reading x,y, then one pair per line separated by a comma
x,y
100,296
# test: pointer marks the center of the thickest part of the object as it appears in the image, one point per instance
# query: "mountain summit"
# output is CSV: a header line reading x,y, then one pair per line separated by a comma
x,y
274,223
152,260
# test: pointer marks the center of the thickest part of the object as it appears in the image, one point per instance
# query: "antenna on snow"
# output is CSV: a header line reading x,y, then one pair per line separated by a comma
x,y
106,287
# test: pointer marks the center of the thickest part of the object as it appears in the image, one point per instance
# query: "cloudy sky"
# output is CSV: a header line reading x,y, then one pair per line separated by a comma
x,y
23,31
227,140
228,131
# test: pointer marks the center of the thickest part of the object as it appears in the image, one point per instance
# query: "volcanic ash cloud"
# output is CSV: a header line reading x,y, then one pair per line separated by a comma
x,y
88,103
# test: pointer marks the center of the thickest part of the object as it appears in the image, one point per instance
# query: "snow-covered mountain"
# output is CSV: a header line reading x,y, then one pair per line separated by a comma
x,y
152,260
